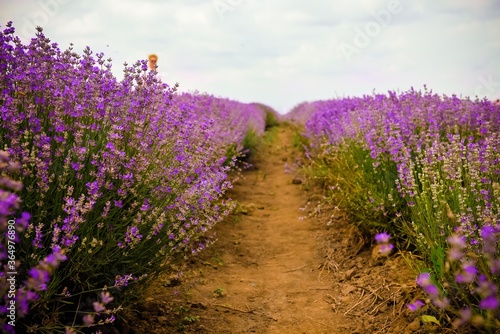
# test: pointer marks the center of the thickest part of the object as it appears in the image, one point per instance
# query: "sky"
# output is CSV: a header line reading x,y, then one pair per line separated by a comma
x,y
284,52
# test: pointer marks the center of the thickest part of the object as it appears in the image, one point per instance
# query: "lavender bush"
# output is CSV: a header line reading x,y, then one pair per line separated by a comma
x,y
468,293
301,113
123,180
424,167
238,124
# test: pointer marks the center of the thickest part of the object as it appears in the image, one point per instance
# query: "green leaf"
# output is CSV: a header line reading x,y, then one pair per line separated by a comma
x,y
430,318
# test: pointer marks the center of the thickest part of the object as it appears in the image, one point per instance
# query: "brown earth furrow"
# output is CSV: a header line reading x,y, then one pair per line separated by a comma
x,y
273,269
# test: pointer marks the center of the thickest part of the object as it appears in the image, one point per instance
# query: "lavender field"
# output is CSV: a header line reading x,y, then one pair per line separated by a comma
x,y
108,184
422,170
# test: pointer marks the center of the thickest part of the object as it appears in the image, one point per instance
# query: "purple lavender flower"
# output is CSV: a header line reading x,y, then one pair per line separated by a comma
x,y
122,281
489,293
145,205
383,240
495,266
425,282
454,254
98,307
468,274
465,316
489,303
382,237
386,249
106,297
441,302
415,305
88,319
490,239
54,259
458,241
111,319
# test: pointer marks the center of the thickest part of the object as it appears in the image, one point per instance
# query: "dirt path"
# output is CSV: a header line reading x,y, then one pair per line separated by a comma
x,y
270,271
271,275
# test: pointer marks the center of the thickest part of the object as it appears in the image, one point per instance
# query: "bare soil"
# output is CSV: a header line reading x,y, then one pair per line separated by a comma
x,y
282,264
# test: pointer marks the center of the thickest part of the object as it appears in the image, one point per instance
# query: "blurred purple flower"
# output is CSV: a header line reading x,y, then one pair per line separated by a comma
x,y
489,303
386,249
468,274
415,305
425,282
454,254
441,302
110,146
88,320
121,281
490,239
106,297
56,257
382,237
458,241
98,307
38,278
465,316
495,266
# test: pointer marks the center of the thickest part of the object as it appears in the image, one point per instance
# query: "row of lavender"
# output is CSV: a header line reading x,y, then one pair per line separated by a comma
x,y
104,183
238,124
426,169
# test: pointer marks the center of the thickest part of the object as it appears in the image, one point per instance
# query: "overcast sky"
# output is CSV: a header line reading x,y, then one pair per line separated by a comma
x,y
283,52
